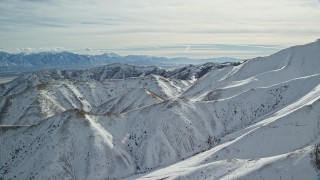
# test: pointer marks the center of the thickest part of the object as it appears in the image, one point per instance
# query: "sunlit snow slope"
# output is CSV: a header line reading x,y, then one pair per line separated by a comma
x,y
258,119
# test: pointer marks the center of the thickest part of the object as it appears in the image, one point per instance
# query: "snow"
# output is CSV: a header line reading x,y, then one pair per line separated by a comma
x,y
6,79
258,119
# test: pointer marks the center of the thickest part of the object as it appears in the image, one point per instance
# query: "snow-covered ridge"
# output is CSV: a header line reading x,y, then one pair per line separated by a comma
x,y
22,62
250,120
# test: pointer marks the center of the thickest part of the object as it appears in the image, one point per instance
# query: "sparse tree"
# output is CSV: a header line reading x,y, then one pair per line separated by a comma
x,y
210,142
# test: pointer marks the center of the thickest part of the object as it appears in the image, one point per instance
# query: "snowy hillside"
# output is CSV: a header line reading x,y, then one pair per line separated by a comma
x,y
257,119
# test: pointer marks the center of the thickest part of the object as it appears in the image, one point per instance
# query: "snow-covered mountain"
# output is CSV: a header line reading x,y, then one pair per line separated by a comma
x,y
257,119
21,63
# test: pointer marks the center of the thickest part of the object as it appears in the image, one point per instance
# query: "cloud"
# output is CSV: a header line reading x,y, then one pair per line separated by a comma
x,y
102,50
187,49
175,50
88,49
52,49
147,24
202,50
27,49
42,49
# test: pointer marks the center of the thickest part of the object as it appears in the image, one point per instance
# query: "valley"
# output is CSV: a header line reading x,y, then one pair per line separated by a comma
x,y
254,119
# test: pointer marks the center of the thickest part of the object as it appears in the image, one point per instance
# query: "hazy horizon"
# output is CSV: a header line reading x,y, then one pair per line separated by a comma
x,y
193,29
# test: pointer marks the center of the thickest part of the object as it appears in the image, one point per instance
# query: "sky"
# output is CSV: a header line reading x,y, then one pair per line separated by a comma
x,y
169,28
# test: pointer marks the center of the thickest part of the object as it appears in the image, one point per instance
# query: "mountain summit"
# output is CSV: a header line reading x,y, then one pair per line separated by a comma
x,y
256,119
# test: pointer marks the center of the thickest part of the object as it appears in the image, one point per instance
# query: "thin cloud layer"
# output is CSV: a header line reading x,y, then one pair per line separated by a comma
x,y
110,24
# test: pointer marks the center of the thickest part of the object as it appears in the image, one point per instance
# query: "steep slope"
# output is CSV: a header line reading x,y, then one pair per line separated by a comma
x,y
30,103
176,129
70,145
297,165
183,77
279,147
295,62
134,99
249,120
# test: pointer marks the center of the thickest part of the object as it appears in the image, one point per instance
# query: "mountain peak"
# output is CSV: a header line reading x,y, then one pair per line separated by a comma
x,y
255,119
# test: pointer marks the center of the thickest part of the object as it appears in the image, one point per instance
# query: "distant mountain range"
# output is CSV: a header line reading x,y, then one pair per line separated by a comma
x,y
254,119
22,62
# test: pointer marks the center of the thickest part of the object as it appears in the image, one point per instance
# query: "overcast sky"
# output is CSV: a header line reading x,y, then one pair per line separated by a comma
x,y
191,28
